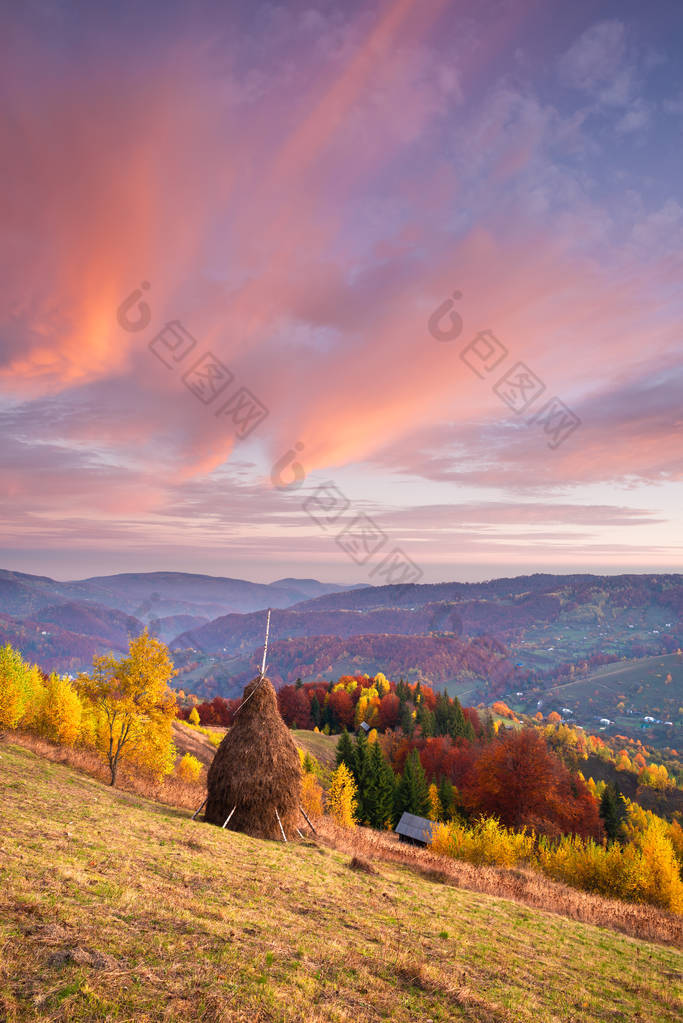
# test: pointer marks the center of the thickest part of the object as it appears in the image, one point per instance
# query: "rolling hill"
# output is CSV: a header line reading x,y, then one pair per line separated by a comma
x,y
120,908
528,635
61,624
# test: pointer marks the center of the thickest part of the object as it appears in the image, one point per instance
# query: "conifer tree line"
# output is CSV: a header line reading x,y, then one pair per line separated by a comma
x,y
381,795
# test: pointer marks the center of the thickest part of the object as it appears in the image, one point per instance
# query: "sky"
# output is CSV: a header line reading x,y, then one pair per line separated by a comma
x,y
366,292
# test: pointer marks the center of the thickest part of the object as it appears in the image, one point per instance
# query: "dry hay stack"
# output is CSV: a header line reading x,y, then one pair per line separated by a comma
x,y
256,769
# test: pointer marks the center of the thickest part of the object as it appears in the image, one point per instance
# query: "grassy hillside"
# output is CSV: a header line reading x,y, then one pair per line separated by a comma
x,y
115,908
190,740
626,692
322,747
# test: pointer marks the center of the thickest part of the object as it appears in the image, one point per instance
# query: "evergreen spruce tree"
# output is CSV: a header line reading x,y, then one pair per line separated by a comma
x,y
442,714
316,713
406,720
326,718
447,797
412,791
456,719
362,773
613,811
345,753
381,788
425,719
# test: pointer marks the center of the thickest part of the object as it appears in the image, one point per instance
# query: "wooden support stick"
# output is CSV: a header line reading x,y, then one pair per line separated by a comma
x,y
300,835
309,823
200,808
227,819
284,837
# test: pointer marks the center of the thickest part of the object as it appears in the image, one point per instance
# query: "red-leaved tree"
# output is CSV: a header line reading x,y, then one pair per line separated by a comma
x,y
517,779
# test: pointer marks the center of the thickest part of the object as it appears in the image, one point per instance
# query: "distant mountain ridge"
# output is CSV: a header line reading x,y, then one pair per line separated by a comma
x,y
61,624
535,630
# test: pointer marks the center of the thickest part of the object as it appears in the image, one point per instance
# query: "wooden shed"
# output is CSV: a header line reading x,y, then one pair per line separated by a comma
x,y
413,829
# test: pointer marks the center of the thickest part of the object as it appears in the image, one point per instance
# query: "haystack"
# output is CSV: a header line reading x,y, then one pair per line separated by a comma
x,y
256,769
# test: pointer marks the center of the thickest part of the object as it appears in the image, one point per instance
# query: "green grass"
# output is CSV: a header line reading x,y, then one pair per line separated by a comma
x,y
322,747
639,684
115,908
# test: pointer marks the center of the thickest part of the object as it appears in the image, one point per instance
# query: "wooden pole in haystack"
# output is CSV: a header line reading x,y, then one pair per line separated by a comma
x,y
261,674
265,645
199,809
307,818
284,837
227,819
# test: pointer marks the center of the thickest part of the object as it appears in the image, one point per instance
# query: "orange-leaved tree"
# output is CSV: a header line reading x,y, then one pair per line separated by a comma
x,y
311,795
517,779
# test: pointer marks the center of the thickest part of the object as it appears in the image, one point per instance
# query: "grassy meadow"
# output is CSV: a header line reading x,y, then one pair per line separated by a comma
x,y
114,907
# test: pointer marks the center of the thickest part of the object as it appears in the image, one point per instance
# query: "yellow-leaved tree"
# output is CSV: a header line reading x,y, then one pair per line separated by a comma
x,y
60,712
435,807
381,683
189,768
21,689
194,717
341,798
136,707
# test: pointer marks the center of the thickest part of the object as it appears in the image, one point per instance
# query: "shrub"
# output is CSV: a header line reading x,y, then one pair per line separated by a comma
x,y
644,870
311,795
487,841
188,768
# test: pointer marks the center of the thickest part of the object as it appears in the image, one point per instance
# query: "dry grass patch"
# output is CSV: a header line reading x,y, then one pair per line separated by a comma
x,y
523,885
114,908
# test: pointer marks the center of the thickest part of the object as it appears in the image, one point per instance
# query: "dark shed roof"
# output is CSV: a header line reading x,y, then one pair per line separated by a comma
x,y
417,828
